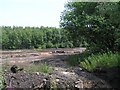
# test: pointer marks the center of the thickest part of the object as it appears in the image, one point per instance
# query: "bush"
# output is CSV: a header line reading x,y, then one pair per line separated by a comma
x,y
49,45
105,60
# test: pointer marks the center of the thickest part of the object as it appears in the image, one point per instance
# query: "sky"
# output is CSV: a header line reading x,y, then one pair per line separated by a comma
x,y
31,12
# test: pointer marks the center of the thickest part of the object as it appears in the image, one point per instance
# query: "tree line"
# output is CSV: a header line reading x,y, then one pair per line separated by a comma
x,y
35,37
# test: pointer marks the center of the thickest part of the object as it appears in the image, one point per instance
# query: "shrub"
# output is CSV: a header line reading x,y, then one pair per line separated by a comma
x,y
105,60
49,45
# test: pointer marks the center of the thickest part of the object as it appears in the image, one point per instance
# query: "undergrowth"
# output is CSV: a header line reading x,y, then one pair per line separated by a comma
x,y
74,60
105,60
90,61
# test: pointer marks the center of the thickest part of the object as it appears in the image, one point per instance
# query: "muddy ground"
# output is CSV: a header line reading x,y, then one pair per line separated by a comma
x,y
63,76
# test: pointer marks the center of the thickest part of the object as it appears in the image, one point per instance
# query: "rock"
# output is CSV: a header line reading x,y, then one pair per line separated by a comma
x,y
37,73
57,80
79,84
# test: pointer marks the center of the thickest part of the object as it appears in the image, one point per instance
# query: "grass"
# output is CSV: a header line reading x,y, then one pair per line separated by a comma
x,y
91,61
44,68
74,60
105,60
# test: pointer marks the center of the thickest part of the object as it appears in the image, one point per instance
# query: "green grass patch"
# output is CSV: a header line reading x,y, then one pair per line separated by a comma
x,y
44,68
105,60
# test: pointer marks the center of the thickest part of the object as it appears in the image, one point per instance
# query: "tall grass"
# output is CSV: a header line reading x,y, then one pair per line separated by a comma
x,y
105,60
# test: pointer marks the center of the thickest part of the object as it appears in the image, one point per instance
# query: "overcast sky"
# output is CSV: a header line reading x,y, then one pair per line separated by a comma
x,y
31,12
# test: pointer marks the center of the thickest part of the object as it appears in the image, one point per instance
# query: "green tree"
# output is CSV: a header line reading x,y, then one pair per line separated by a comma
x,y
87,21
33,37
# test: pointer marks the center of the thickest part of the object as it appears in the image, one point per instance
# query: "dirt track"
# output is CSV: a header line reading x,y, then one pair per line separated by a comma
x,y
24,56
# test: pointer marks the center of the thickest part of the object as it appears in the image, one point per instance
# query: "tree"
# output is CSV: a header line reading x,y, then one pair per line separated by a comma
x,y
33,37
88,21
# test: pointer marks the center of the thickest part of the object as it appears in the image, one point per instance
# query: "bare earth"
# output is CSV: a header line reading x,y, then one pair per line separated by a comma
x,y
62,77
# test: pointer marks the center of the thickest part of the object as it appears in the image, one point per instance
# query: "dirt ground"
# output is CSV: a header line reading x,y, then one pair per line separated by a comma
x,y
62,77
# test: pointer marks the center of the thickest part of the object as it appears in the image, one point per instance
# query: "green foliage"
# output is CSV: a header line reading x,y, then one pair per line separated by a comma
x,y
105,60
96,23
34,37
44,68
49,45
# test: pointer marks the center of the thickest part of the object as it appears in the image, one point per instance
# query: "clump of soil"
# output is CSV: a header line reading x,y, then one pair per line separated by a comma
x,y
27,80
56,80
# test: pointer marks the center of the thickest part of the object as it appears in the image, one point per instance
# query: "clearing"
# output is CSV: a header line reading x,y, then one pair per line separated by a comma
x,y
62,76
